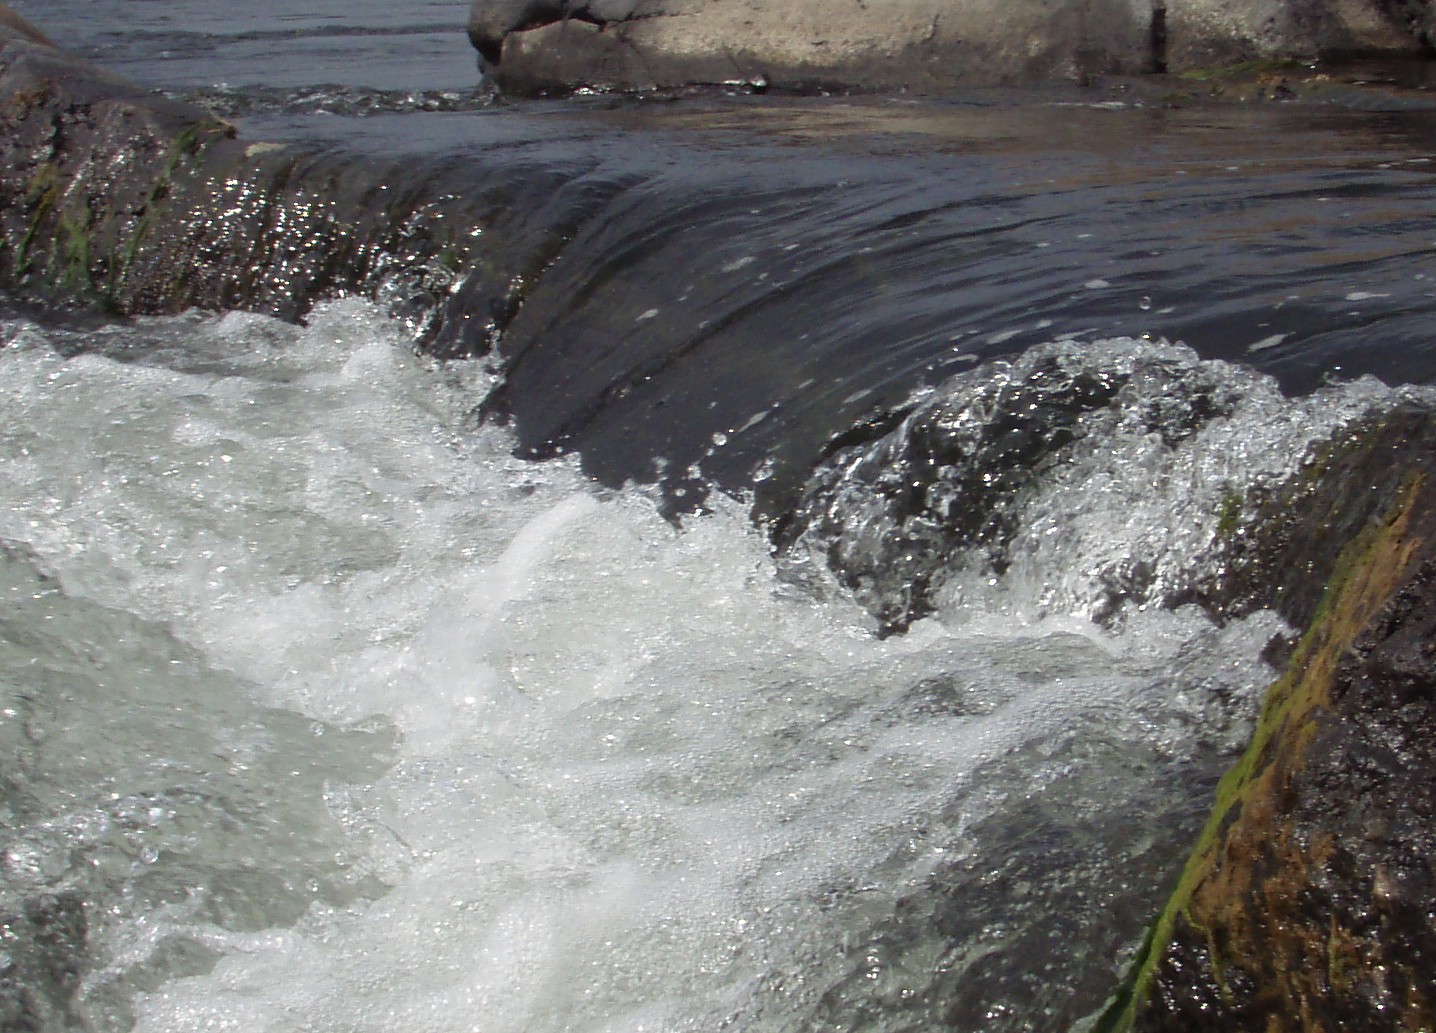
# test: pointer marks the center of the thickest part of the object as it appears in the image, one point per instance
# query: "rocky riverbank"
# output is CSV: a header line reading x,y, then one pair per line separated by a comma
x,y
534,46
1308,902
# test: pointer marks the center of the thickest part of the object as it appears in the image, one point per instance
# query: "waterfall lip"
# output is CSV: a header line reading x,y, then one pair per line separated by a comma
x,y
470,284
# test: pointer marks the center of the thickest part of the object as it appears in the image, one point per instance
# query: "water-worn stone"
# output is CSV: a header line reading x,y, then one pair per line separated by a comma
x,y
534,46
112,196
1310,901
916,44
42,956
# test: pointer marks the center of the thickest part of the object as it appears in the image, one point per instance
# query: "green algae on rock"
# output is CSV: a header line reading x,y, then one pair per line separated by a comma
x,y
1308,902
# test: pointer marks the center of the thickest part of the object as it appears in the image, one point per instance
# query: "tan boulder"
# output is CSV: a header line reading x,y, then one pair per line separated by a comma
x,y
535,46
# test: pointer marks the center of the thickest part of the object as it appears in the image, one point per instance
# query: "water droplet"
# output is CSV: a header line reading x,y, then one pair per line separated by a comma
x,y
1145,303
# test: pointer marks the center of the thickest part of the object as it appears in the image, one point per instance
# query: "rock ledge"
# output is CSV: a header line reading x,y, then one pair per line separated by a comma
x,y
540,46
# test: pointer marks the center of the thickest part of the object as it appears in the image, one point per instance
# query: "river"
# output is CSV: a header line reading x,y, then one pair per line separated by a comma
x,y
351,689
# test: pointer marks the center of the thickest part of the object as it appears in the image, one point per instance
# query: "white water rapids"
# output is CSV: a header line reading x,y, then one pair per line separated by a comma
x,y
340,718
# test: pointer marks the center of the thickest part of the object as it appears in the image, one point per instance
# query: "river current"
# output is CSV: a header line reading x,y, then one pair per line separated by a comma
x,y
328,701
315,689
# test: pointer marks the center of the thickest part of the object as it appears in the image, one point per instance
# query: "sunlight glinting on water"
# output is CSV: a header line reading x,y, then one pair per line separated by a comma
x,y
598,773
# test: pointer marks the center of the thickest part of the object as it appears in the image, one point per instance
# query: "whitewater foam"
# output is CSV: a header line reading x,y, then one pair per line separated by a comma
x,y
567,766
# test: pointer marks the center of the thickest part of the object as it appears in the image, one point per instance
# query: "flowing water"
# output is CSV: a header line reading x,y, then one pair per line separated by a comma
x,y
328,701
312,687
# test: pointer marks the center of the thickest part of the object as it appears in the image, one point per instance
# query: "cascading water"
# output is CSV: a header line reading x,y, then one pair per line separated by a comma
x,y
1089,474
319,710
327,713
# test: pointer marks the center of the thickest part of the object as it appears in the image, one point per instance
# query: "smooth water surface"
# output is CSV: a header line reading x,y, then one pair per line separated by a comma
x,y
198,44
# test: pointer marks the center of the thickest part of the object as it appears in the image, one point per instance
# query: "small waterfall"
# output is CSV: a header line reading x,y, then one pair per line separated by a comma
x,y
1078,478
510,639
329,711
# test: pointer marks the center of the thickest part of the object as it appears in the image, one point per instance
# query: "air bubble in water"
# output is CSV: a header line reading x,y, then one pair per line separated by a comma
x,y
1145,303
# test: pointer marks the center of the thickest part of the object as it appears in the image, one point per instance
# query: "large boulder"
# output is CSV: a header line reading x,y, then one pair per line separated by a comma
x,y
919,44
533,46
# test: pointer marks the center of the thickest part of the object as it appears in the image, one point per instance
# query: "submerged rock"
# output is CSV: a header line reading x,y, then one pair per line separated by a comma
x,y
1090,477
42,956
1310,901
545,45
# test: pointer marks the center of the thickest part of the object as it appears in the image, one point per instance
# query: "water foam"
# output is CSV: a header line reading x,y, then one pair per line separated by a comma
x,y
636,778
1085,478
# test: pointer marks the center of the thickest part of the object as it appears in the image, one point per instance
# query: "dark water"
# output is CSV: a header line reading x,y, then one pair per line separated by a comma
x,y
781,270
814,280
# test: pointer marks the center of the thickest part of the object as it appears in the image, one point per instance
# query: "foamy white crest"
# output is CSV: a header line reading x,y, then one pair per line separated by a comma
x,y
641,783
1124,499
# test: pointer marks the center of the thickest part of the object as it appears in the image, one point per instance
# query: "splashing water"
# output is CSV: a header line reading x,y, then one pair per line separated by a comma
x,y
334,715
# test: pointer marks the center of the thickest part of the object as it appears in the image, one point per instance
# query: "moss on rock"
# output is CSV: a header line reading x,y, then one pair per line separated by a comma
x,y
115,198
1309,901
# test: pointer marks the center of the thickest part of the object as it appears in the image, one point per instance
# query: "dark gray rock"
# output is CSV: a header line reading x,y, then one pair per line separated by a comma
x,y
42,957
490,22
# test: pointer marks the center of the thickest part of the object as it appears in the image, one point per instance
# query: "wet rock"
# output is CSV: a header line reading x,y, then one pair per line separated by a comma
x,y
891,515
120,199
42,950
1105,467
1292,532
535,46
1310,900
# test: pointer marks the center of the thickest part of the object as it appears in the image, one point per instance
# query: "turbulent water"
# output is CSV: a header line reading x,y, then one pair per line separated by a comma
x,y
336,716
320,710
